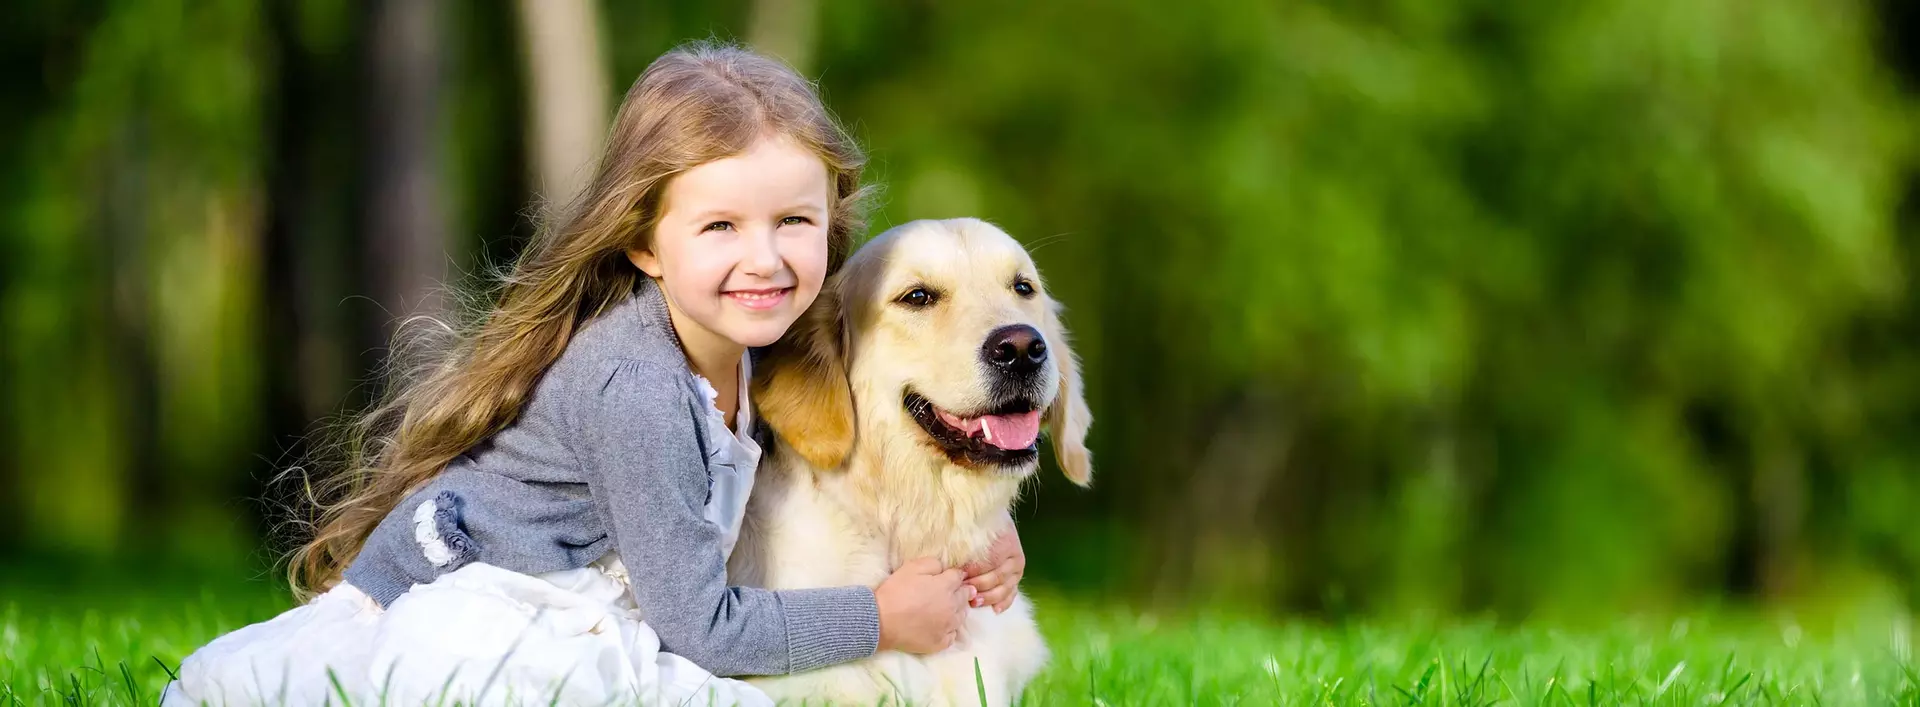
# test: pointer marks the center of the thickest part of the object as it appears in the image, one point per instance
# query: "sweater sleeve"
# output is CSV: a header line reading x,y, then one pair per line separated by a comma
x,y
648,475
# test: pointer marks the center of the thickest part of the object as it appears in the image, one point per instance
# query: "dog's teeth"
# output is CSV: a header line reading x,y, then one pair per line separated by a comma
x,y
987,430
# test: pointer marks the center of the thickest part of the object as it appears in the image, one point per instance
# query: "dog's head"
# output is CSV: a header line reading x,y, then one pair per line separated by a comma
x,y
940,331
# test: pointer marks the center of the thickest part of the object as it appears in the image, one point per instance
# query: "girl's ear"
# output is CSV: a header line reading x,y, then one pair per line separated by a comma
x,y
645,260
800,387
1068,418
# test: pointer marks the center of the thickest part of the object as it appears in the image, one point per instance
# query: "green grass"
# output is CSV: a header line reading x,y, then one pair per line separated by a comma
x,y
1116,657
104,643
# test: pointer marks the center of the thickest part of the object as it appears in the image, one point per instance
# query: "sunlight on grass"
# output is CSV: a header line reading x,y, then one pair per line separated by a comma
x,y
71,648
1119,657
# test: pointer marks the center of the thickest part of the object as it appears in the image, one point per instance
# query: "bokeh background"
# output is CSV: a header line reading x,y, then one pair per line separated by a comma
x,y
1386,306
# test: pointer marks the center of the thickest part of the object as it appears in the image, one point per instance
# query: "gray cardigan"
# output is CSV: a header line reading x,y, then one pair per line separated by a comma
x,y
610,453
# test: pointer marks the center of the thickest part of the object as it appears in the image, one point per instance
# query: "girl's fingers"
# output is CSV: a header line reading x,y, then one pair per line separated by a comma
x,y
1007,572
998,597
988,581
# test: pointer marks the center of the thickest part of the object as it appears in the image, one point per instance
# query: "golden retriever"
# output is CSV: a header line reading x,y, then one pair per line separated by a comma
x,y
907,405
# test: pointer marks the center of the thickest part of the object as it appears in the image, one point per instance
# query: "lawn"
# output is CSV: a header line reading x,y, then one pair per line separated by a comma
x,y
92,641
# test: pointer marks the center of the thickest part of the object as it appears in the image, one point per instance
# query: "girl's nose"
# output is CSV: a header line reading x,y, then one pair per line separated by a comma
x,y
763,254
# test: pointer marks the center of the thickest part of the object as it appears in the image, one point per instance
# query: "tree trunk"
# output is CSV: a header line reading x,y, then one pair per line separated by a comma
x,y
1214,541
1779,500
128,259
304,350
567,94
406,238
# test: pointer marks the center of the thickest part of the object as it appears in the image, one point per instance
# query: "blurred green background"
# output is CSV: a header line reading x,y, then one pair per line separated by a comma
x,y
1386,306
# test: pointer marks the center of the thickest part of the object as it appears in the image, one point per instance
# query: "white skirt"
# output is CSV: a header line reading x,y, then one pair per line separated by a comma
x,y
477,635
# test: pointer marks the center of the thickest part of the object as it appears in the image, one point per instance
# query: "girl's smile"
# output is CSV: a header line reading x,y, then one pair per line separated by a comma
x,y
760,299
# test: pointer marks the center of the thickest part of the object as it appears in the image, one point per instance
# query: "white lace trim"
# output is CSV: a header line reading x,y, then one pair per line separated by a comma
x,y
427,534
716,420
713,396
615,570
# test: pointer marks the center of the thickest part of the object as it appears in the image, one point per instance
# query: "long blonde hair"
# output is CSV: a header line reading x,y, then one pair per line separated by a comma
x,y
698,103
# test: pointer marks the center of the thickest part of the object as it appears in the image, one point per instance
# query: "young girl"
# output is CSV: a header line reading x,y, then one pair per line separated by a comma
x,y
547,515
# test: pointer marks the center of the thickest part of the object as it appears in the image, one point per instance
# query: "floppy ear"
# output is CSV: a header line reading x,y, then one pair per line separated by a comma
x,y
1068,418
800,386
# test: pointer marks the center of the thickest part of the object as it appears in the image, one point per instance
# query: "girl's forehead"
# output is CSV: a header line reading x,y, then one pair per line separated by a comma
x,y
770,171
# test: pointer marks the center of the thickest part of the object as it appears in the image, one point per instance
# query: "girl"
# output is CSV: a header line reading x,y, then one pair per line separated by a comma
x,y
547,515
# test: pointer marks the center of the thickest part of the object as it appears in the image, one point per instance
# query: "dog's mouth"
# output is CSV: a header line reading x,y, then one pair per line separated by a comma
x,y
1008,434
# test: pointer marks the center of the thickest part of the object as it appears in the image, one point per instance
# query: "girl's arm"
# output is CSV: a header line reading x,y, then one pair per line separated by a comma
x,y
648,477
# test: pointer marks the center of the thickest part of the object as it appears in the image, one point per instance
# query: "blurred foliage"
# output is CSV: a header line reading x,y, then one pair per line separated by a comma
x,y
1385,305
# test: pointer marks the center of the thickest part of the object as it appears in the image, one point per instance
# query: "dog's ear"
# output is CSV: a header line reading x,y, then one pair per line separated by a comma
x,y
801,389
1068,418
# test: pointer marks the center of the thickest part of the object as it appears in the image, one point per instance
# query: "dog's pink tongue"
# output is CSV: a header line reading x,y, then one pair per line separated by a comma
x,y
970,427
1012,431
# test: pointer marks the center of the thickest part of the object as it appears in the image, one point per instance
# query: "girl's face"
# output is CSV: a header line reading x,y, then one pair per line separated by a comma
x,y
742,247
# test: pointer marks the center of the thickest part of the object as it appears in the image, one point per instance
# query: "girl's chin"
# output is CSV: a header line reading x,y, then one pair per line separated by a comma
x,y
758,333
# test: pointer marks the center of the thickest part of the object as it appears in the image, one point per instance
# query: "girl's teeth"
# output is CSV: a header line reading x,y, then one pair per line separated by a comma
x,y
757,296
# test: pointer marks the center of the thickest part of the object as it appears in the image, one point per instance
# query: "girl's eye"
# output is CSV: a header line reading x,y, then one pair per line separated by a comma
x,y
1023,288
719,226
794,221
917,297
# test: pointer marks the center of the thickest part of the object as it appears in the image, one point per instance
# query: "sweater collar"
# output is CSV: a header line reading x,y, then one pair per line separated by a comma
x,y
648,306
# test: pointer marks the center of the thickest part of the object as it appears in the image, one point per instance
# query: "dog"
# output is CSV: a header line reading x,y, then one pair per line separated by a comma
x,y
906,405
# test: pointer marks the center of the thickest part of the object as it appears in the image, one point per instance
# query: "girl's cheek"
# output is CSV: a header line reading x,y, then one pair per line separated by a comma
x,y
803,298
712,263
811,260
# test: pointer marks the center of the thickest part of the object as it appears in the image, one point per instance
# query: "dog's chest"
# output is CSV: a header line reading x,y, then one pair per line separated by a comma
x,y
796,538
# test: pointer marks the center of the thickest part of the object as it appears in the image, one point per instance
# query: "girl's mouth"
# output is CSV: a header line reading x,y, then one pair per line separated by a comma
x,y
759,299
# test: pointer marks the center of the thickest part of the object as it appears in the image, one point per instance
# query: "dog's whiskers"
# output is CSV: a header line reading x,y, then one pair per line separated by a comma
x,y
1045,241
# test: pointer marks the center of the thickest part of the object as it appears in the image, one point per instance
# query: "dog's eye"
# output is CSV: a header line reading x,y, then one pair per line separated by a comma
x,y
1023,288
917,297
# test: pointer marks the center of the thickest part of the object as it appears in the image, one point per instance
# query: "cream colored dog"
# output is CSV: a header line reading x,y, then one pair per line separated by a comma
x,y
907,405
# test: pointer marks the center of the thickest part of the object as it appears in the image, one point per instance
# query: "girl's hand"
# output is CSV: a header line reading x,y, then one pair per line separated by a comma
x,y
922,606
998,577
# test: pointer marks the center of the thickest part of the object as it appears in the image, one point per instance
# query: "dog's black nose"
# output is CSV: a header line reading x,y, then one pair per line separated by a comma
x,y
1015,349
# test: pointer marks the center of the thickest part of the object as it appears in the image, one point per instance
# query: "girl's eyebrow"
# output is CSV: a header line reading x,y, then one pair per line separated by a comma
x,y
715,215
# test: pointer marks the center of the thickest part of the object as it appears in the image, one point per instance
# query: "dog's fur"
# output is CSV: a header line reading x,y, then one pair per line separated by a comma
x,y
854,486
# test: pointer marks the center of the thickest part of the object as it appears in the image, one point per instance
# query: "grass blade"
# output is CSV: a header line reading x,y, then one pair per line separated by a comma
x,y
338,688
979,682
126,678
171,675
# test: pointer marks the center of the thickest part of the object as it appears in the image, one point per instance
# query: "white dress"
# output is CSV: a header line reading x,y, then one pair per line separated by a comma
x,y
482,634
